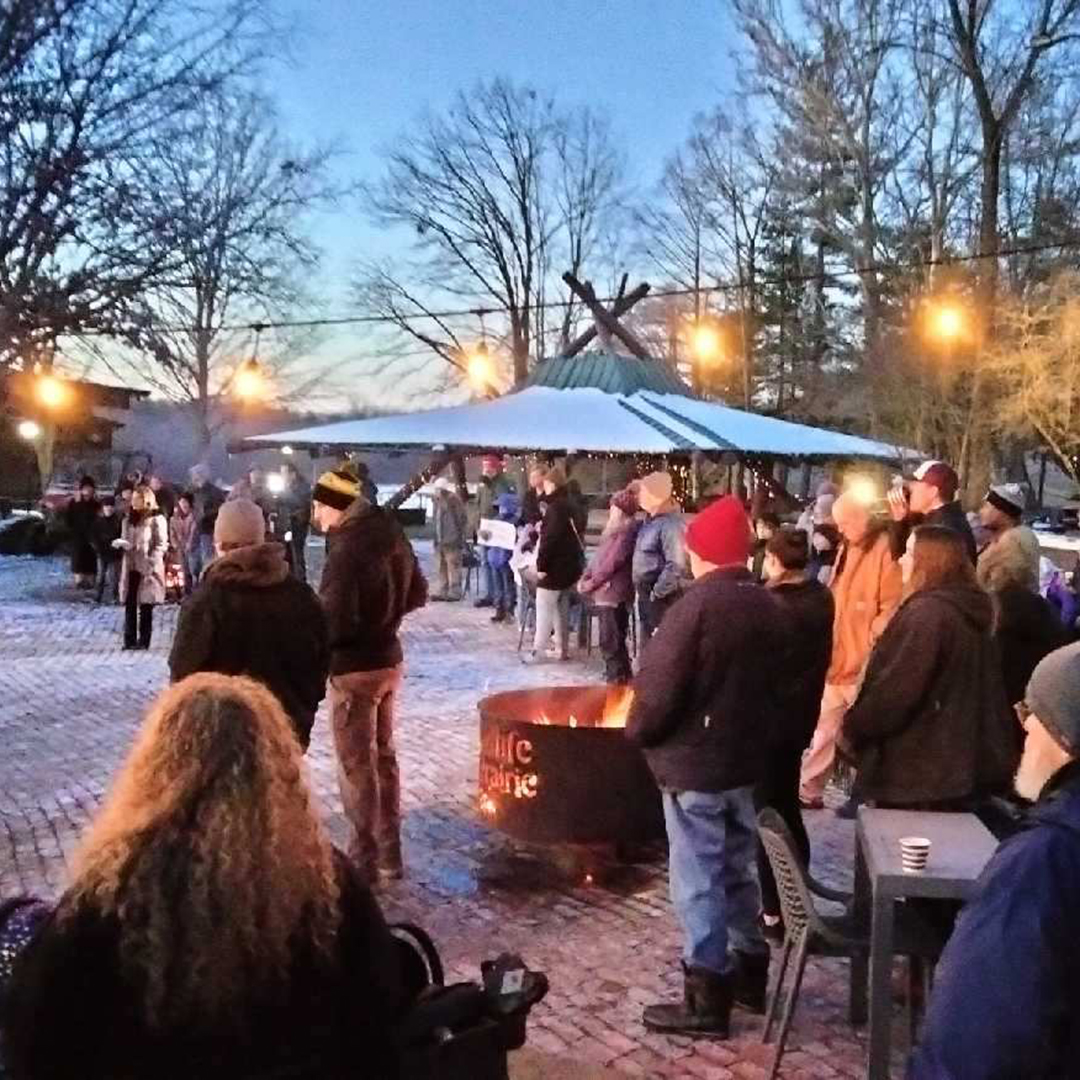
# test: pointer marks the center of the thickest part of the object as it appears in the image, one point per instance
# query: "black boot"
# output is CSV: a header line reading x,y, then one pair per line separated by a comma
x,y
704,1010
751,980
500,615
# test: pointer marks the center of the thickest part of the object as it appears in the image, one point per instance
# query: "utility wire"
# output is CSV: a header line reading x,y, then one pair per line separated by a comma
x,y
260,325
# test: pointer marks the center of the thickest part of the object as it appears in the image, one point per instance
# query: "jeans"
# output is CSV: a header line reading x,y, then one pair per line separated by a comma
x,y
187,568
818,760
614,624
200,556
504,593
712,847
524,599
448,572
138,618
108,579
487,573
552,614
362,707
780,790
651,612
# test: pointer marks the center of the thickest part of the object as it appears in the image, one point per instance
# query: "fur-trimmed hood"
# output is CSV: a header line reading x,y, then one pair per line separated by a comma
x,y
258,566
1011,559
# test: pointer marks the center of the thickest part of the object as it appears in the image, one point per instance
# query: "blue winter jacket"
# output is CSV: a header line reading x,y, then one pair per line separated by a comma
x,y
1006,1005
509,507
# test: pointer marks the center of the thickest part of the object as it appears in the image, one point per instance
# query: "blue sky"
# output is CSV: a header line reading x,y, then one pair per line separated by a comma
x,y
360,71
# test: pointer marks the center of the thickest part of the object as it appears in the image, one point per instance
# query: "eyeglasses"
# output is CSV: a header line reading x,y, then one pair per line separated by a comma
x,y
1023,713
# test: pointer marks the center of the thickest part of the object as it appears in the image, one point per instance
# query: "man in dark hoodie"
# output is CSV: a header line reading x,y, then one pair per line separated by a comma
x,y
370,582
1005,1003
250,616
705,707
928,497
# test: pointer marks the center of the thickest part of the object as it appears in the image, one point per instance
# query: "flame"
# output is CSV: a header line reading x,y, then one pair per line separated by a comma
x,y
543,719
487,805
573,721
617,706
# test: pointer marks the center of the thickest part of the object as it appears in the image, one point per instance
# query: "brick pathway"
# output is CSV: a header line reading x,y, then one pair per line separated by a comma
x,y
70,701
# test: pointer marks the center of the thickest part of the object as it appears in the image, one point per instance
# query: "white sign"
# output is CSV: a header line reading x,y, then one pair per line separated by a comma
x,y
499,534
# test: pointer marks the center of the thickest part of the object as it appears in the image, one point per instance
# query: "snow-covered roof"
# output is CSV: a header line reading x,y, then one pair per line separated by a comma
x,y
587,420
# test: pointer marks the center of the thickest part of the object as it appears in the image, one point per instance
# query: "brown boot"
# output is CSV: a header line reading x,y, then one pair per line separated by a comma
x,y
704,1010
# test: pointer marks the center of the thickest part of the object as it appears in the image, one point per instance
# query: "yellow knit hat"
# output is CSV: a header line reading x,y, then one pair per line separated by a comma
x,y
337,489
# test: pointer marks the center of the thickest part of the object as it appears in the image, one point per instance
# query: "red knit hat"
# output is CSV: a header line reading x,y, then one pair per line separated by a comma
x,y
721,534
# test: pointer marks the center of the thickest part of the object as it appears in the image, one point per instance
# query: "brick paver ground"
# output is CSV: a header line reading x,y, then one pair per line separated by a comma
x,y
70,701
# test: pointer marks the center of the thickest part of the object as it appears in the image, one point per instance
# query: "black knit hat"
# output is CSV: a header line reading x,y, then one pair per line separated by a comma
x,y
88,481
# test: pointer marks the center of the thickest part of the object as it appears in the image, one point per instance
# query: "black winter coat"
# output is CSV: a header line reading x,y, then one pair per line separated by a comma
x,y
1028,628
80,516
801,672
105,531
249,616
73,1012
932,723
370,582
706,707
560,556
951,515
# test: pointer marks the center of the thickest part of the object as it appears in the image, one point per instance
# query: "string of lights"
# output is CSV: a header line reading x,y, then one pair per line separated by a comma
x,y
258,326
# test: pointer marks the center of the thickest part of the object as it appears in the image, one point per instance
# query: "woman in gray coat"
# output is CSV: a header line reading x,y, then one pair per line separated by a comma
x,y
144,539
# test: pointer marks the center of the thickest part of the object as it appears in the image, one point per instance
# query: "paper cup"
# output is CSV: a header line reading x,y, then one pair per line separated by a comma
x,y
914,852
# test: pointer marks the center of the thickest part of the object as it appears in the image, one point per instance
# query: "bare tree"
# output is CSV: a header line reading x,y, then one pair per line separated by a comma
x,y
233,198
1000,54
499,193
84,87
1036,363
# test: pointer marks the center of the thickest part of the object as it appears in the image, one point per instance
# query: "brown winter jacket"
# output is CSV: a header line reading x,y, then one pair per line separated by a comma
x,y
182,532
370,582
932,724
867,586
250,616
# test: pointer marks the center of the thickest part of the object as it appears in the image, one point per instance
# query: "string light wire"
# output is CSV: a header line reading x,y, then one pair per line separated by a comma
x,y
718,286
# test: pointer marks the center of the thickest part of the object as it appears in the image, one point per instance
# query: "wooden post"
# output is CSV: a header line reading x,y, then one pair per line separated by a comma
x,y
621,306
604,319
432,469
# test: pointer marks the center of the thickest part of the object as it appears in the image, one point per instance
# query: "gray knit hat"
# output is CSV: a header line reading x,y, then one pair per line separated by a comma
x,y
240,523
1053,695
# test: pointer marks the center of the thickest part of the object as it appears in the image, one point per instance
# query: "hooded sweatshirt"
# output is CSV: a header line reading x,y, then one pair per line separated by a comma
x,y
932,723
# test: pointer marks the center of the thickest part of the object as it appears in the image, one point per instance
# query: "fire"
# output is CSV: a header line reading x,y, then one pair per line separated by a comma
x,y
543,718
617,706
487,805
573,720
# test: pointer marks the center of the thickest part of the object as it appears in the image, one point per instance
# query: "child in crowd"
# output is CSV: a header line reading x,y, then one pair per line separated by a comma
x,y
105,530
508,507
181,538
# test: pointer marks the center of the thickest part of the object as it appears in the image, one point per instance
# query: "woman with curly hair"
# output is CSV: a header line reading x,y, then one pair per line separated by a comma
x,y
209,929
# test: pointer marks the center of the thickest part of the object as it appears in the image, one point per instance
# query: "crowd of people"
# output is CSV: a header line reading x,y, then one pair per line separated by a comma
x,y
910,666
901,643
149,539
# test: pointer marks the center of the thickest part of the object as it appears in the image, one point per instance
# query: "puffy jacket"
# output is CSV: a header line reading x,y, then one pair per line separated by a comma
x,y
932,723
706,703
249,616
951,515
660,561
370,582
559,553
866,587
451,522
607,579
1006,1001
809,610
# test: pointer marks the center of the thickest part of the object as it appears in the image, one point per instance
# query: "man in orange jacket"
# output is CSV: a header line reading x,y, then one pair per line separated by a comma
x,y
867,589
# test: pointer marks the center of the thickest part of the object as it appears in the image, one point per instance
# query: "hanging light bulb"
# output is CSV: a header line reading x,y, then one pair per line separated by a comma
x,y
480,368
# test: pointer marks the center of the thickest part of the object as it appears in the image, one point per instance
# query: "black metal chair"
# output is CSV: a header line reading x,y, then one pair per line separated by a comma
x,y
808,932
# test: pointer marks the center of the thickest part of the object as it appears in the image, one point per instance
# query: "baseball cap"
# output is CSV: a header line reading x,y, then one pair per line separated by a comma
x,y
939,475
